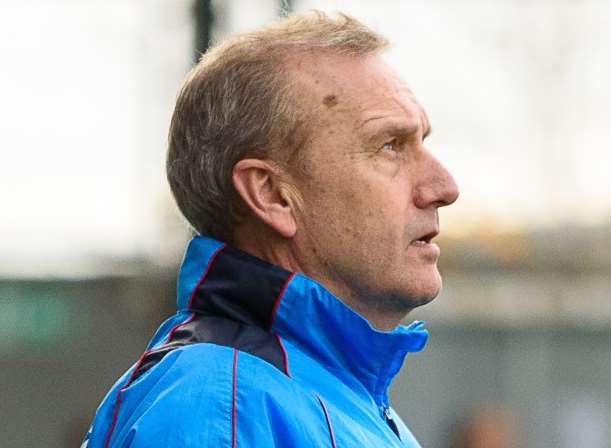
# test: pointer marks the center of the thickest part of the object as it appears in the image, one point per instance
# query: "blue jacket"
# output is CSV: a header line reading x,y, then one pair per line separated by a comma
x,y
257,356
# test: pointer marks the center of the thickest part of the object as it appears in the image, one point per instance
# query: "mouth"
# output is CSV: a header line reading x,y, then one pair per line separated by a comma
x,y
425,247
426,238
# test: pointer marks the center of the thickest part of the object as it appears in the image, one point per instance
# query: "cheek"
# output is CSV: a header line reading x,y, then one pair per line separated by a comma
x,y
385,210
358,203
375,210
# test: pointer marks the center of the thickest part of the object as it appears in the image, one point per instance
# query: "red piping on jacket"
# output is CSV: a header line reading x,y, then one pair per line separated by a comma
x,y
233,399
324,409
205,274
118,401
285,358
278,299
115,413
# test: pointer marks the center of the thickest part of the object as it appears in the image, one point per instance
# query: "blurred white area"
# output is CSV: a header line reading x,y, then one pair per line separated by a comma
x,y
516,92
87,92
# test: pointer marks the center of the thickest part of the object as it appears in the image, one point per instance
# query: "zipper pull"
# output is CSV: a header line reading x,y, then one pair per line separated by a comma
x,y
389,420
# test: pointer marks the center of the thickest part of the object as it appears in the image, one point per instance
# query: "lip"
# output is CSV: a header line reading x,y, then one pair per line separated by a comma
x,y
427,237
427,250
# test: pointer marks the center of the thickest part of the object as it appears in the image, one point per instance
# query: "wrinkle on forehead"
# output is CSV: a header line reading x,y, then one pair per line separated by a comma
x,y
350,91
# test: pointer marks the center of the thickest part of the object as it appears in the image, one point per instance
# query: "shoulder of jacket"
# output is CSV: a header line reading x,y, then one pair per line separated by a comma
x,y
200,366
189,397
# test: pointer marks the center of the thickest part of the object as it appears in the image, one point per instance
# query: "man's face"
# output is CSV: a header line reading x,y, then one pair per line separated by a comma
x,y
370,187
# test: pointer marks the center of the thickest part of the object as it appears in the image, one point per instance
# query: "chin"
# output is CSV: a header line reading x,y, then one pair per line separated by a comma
x,y
403,300
423,290
423,299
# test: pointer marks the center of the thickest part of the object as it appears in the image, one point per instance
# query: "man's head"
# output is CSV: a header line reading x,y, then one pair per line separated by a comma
x,y
241,101
299,144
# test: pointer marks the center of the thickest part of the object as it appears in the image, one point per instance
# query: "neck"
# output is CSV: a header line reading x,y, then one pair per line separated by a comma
x,y
260,242
383,320
283,252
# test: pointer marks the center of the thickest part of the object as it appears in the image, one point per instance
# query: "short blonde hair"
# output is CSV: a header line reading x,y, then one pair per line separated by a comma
x,y
238,102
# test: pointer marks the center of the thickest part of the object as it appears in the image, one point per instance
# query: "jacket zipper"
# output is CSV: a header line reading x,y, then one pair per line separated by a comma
x,y
389,420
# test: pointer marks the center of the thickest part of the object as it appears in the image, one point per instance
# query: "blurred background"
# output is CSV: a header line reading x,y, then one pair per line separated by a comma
x,y
90,241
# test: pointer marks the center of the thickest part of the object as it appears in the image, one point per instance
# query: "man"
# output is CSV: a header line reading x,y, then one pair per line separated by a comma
x,y
297,154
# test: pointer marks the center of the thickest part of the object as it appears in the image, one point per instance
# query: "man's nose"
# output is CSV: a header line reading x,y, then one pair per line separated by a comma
x,y
437,186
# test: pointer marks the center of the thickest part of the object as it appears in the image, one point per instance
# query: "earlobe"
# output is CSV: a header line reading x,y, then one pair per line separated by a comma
x,y
259,184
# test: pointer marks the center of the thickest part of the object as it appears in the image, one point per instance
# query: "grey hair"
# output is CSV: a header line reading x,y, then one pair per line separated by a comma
x,y
238,102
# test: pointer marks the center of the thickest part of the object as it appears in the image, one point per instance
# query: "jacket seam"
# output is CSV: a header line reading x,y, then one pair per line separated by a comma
x,y
278,299
329,426
233,398
285,358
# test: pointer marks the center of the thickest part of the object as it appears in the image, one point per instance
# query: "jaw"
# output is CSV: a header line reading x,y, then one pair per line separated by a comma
x,y
417,284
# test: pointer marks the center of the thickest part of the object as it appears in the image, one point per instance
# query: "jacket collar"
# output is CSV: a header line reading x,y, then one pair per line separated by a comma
x,y
220,280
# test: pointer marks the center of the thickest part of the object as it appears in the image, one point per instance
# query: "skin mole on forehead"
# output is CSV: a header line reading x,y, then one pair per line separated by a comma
x,y
330,100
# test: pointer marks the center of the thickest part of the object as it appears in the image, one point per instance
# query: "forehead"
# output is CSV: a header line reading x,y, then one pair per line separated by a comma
x,y
359,90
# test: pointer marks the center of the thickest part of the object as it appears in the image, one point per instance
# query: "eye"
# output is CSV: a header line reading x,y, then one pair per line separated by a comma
x,y
390,146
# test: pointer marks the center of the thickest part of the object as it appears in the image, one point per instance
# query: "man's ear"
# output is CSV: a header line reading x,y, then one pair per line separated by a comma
x,y
259,185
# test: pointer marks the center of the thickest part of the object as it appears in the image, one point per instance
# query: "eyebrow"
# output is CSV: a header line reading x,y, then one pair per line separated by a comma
x,y
398,128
